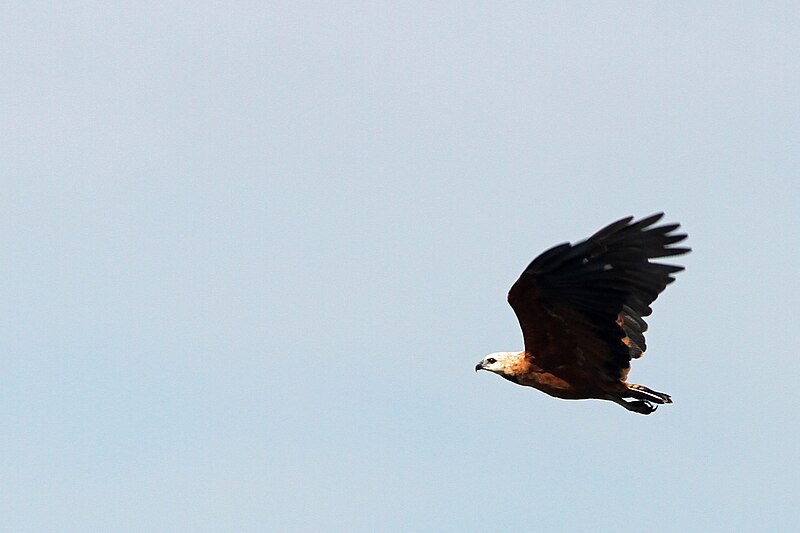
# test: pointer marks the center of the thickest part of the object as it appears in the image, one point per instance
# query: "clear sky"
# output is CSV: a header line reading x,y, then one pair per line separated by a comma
x,y
251,254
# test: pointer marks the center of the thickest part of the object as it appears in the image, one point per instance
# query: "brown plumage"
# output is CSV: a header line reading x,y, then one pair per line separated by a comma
x,y
580,307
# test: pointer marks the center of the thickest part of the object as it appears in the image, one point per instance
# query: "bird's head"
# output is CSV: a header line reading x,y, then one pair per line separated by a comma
x,y
501,363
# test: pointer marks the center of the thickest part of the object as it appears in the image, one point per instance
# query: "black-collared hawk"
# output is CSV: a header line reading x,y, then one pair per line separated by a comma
x,y
580,307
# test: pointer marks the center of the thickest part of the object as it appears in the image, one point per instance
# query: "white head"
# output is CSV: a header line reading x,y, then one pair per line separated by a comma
x,y
499,362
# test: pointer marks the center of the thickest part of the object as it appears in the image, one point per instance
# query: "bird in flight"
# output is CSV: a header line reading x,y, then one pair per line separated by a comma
x,y
580,307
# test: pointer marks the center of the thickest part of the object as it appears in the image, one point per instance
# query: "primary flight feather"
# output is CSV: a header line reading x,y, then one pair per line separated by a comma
x,y
580,307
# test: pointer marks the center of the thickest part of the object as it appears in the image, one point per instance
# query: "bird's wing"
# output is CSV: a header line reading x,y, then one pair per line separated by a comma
x,y
581,305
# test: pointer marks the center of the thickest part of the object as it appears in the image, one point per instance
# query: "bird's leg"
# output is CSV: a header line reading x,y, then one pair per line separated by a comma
x,y
640,392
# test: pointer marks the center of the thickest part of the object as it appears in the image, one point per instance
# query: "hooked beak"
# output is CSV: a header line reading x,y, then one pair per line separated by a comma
x,y
479,366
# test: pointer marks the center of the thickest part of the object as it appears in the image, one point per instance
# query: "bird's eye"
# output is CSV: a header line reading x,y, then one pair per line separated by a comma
x,y
491,360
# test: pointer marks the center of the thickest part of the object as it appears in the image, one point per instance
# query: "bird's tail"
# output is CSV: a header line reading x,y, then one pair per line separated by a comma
x,y
640,392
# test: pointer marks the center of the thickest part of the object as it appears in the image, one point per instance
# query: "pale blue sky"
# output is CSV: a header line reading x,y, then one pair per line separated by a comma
x,y
252,253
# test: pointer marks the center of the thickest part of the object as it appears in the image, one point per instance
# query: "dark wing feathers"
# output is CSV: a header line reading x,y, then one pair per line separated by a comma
x,y
573,295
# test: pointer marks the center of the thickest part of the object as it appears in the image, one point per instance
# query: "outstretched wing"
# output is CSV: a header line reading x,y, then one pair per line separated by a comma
x,y
582,305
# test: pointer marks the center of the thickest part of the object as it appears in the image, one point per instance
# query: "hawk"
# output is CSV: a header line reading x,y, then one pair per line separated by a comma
x,y
580,307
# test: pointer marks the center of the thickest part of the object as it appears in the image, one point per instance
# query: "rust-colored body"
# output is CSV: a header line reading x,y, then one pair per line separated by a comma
x,y
565,382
